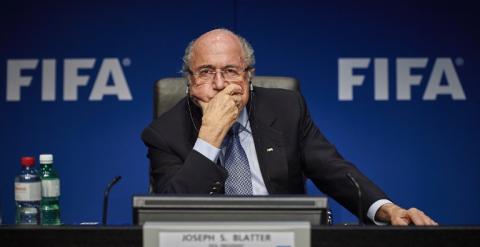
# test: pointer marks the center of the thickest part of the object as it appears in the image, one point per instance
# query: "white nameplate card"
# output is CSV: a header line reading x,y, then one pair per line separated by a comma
x,y
226,234
216,239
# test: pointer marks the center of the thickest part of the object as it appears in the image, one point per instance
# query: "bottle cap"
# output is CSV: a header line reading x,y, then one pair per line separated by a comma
x,y
46,158
27,161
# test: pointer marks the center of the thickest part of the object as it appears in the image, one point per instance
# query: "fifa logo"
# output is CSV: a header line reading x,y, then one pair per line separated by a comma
x,y
75,75
409,73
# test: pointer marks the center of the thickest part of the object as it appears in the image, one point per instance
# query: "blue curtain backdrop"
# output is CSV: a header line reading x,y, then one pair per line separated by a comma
x,y
423,153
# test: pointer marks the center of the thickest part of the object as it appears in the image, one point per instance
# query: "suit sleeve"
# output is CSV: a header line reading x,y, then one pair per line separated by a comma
x,y
327,168
170,173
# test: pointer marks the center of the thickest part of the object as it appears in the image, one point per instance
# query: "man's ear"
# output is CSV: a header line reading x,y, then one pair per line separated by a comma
x,y
251,73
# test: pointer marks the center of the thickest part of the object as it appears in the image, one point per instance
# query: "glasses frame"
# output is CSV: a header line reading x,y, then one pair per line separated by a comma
x,y
222,72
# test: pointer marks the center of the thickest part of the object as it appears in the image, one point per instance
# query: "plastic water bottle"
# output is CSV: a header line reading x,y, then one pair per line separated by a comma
x,y
27,193
50,205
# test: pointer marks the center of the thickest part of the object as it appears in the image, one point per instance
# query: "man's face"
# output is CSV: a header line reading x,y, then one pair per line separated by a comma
x,y
217,52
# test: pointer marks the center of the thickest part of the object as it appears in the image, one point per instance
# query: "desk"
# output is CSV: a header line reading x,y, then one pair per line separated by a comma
x,y
341,236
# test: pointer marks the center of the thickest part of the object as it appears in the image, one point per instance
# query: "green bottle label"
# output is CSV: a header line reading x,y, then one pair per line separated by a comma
x,y
50,187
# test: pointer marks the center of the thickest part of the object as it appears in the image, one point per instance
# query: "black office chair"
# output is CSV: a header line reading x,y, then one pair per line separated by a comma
x,y
168,91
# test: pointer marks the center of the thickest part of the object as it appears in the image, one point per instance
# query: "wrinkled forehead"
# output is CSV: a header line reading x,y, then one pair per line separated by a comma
x,y
217,48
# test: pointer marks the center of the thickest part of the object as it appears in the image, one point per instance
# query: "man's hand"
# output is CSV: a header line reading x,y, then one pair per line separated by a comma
x,y
398,216
219,114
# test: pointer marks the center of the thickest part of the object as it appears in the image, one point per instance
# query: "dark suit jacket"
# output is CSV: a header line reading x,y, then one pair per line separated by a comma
x,y
280,120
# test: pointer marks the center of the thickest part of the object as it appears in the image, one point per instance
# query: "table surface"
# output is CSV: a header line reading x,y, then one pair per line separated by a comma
x,y
119,236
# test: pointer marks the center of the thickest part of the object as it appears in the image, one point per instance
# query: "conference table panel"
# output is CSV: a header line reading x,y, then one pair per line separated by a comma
x,y
131,236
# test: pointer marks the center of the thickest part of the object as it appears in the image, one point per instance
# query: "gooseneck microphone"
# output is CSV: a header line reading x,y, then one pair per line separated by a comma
x,y
105,198
359,192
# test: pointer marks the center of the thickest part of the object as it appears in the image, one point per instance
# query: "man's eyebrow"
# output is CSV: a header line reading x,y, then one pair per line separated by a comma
x,y
206,66
209,66
229,66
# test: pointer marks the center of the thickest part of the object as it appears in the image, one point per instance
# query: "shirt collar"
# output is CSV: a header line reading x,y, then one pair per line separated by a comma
x,y
243,118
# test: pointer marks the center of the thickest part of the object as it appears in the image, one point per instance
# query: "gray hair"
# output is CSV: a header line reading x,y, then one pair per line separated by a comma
x,y
248,53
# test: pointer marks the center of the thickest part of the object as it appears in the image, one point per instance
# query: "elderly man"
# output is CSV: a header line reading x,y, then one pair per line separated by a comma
x,y
228,137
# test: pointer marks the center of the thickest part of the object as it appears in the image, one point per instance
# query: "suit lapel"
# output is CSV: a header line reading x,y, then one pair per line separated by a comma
x,y
270,148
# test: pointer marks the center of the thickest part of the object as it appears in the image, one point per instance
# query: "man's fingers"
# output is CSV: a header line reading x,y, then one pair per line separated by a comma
x,y
432,222
233,89
419,218
401,217
237,99
416,216
400,221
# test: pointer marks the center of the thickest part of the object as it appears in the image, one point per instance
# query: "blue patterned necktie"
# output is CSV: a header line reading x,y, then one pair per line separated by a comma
x,y
239,181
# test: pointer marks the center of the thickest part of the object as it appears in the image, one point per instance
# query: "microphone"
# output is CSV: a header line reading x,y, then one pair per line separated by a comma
x,y
359,192
105,198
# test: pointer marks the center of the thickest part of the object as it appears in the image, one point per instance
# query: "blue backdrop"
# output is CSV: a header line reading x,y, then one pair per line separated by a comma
x,y
422,152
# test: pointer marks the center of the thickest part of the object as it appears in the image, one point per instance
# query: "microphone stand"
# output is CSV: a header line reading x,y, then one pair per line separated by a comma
x,y
359,192
105,198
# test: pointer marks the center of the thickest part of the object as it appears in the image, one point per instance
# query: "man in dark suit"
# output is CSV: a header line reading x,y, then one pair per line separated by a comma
x,y
228,137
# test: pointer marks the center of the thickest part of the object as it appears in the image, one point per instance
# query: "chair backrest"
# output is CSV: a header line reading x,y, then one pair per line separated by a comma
x,y
168,91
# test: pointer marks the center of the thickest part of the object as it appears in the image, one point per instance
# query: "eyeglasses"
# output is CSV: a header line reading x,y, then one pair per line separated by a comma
x,y
207,74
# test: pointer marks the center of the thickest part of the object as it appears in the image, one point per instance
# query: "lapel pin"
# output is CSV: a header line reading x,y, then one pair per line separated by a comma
x,y
269,149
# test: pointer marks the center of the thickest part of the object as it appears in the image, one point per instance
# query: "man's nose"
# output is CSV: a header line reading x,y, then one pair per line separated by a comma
x,y
219,82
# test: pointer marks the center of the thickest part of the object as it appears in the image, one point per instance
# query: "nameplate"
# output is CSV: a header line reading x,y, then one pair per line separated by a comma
x,y
226,234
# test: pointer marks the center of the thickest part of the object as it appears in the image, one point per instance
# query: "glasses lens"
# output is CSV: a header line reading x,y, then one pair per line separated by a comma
x,y
231,74
207,74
